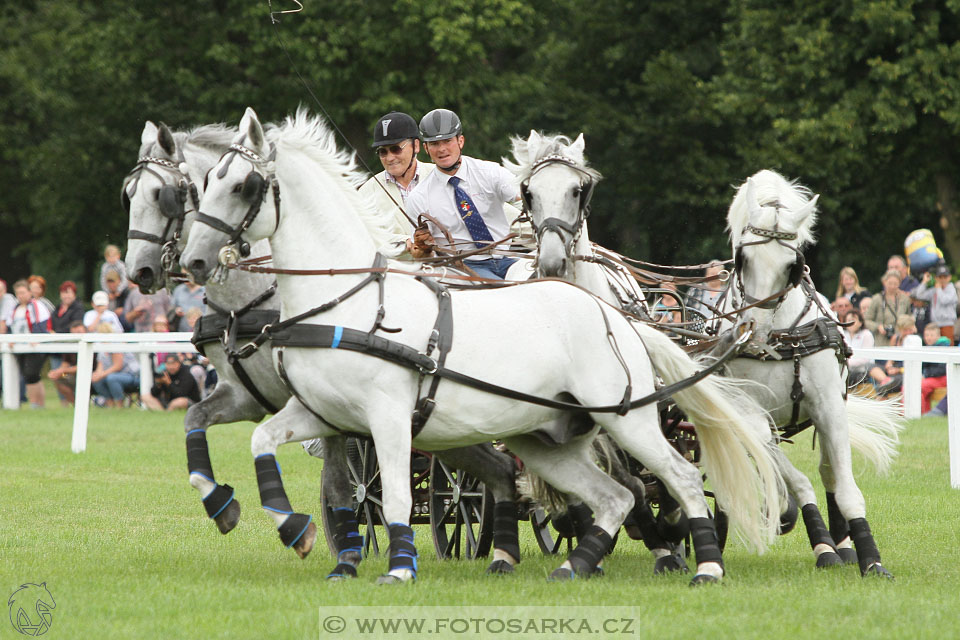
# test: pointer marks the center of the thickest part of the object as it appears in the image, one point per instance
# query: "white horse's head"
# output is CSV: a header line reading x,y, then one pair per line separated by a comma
x,y
770,222
235,208
556,185
161,195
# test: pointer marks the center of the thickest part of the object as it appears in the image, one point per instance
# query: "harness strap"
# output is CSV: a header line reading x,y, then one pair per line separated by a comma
x,y
442,338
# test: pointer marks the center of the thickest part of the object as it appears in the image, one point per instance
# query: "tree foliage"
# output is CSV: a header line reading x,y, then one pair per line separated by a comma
x,y
678,102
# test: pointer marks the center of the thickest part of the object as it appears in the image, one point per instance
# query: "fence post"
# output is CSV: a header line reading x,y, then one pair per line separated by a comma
x,y
912,375
953,421
11,381
81,411
146,375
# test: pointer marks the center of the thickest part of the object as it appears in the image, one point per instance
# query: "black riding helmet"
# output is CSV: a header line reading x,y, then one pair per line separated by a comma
x,y
440,124
393,128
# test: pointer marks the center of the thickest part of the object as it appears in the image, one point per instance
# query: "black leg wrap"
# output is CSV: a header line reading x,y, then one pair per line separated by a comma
x,y
706,545
272,495
643,515
839,529
590,551
198,457
341,571
217,501
506,533
816,529
403,555
582,517
676,532
346,535
788,519
867,552
293,528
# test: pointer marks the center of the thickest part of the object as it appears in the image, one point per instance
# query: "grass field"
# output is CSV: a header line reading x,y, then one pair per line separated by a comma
x,y
124,546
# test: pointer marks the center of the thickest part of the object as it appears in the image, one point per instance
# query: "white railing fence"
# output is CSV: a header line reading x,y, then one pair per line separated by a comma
x,y
144,344
85,345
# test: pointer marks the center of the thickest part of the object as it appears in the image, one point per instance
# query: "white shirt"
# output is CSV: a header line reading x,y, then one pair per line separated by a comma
x,y
386,199
21,318
108,316
488,184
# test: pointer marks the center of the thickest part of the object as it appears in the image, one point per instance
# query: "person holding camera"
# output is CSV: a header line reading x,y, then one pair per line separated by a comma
x,y
942,298
173,387
887,306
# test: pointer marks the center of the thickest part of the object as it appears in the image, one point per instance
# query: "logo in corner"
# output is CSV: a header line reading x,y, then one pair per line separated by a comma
x,y
31,609
386,125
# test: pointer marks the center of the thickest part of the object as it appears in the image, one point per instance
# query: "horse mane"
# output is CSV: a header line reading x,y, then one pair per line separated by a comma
x,y
213,137
310,136
770,189
528,153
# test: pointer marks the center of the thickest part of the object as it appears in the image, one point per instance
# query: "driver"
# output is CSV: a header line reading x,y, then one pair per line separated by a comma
x,y
464,194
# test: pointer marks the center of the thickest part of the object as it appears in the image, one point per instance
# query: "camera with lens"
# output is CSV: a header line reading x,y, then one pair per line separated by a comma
x,y
889,329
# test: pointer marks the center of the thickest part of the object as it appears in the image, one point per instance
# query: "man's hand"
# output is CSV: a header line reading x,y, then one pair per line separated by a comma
x,y
422,244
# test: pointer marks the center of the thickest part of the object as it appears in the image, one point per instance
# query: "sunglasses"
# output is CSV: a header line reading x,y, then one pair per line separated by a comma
x,y
395,149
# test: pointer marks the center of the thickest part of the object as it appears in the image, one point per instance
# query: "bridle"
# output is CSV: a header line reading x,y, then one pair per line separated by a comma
x,y
171,201
253,191
569,233
798,270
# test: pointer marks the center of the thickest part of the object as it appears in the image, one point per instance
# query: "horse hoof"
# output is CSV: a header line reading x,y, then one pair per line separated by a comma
x,y
703,578
877,570
669,564
343,571
848,555
561,575
228,518
499,568
304,545
829,559
389,579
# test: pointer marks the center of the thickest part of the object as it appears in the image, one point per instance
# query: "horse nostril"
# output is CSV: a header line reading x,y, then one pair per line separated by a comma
x,y
198,267
145,277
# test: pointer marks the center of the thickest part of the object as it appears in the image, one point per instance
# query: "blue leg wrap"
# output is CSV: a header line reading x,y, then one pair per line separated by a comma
x,y
403,554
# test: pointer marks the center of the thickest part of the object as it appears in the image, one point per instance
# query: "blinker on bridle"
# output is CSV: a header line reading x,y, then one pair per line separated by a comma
x,y
253,190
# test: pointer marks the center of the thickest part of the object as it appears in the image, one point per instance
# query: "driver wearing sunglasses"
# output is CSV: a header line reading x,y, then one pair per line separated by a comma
x,y
396,139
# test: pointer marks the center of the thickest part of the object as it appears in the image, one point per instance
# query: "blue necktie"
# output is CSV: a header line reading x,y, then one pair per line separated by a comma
x,y
471,217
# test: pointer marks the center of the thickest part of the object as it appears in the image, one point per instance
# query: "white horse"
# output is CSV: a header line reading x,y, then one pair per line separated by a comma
x,y
161,196
770,222
547,340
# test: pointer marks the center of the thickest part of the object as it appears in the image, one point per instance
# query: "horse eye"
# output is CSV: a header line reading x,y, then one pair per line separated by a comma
x,y
238,188
156,194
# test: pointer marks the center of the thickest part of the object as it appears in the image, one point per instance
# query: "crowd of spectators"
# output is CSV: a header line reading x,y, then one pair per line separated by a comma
x,y
118,307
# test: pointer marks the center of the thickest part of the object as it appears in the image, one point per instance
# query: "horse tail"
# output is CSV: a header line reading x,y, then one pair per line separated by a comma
x,y
735,441
874,427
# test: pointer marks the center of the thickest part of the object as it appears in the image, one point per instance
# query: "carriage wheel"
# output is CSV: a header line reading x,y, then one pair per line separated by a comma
x,y
364,473
461,513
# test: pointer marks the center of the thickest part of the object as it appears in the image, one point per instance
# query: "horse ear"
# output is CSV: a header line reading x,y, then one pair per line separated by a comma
x,y
165,138
149,135
533,146
751,196
808,208
578,145
254,129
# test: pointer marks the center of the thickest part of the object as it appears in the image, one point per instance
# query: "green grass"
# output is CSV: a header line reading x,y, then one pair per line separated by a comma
x,y
124,546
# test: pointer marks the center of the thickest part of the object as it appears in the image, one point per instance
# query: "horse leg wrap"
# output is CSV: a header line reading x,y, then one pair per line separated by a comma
x,y
706,544
198,457
506,534
816,529
643,514
293,528
673,532
347,541
590,551
839,529
218,499
582,518
788,519
272,495
403,554
867,552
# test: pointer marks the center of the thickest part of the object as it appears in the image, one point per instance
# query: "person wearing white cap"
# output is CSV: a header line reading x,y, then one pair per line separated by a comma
x,y
100,313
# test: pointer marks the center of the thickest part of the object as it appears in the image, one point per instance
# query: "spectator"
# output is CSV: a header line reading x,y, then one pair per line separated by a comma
x,y
887,377
7,303
704,298
160,325
140,309
899,264
667,309
29,316
840,307
192,316
174,387
64,376
186,296
849,287
887,306
942,298
100,313
858,337
195,364
69,311
38,287
113,263
116,373
118,297
934,373
865,306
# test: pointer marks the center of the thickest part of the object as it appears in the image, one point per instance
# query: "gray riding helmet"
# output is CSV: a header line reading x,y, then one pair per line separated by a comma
x,y
440,124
